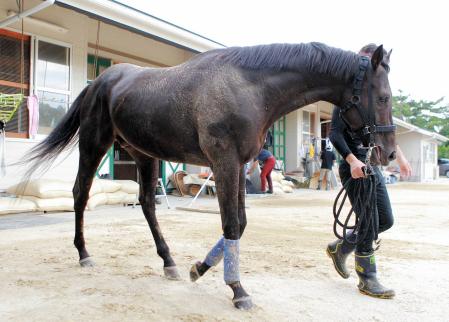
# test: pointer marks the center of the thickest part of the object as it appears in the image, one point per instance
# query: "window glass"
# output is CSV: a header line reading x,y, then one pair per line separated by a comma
x,y
52,108
11,82
53,66
306,122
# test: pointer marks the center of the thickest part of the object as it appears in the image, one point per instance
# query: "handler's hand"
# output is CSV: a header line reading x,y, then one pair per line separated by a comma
x,y
356,166
406,169
404,165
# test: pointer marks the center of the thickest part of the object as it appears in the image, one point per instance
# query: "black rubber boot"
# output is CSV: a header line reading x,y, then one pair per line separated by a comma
x,y
339,251
365,266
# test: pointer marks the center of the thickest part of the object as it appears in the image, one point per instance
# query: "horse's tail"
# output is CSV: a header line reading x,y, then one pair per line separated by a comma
x,y
64,136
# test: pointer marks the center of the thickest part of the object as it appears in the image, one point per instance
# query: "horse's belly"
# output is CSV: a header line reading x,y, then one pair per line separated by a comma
x,y
175,149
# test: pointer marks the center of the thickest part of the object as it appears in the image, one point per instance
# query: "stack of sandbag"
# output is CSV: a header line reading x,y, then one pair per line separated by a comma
x,y
47,195
131,188
9,205
280,185
112,192
56,195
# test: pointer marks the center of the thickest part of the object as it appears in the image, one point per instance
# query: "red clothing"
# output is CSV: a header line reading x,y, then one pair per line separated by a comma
x,y
265,175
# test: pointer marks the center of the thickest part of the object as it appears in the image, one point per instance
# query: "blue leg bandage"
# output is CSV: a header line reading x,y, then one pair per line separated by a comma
x,y
216,253
231,260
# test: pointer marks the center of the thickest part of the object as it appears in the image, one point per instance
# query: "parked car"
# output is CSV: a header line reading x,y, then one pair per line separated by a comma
x,y
391,174
444,167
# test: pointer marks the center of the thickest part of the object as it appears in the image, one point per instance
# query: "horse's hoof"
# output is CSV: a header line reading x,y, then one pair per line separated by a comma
x,y
87,262
243,303
171,273
194,274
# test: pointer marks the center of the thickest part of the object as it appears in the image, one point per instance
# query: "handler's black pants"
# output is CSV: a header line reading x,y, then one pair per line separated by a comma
x,y
383,205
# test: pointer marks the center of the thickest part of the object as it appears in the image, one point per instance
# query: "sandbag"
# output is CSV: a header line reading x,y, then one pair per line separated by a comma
x,y
43,188
10,205
103,185
52,204
276,184
278,191
276,176
117,197
128,186
287,183
96,200
287,189
131,198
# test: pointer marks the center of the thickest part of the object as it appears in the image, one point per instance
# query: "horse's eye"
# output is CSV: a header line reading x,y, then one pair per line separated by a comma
x,y
384,99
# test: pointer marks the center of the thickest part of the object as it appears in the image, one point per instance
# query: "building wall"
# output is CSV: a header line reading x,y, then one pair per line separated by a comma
x,y
413,145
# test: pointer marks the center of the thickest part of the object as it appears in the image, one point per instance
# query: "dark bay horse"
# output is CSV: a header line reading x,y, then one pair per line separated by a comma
x,y
213,110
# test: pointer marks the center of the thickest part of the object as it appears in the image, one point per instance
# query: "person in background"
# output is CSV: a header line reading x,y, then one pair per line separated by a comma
x,y
268,161
327,162
349,147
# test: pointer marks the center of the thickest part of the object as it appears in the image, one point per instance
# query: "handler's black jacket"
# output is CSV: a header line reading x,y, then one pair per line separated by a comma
x,y
343,140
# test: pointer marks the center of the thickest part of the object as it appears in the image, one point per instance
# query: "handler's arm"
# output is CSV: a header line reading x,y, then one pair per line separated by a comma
x,y
404,165
337,138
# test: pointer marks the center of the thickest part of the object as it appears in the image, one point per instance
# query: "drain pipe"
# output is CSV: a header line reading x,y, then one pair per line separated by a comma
x,y
17,17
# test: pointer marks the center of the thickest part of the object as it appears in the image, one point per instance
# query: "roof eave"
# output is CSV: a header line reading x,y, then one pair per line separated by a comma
x,y
417,129
132,19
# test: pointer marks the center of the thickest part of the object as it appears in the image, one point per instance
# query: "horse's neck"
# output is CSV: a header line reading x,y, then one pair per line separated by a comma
x,y
286,92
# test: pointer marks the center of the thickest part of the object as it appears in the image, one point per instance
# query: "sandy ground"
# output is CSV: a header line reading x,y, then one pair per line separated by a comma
x,y
283,264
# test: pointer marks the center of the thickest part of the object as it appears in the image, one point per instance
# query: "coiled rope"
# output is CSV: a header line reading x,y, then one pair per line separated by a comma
x,y
364,206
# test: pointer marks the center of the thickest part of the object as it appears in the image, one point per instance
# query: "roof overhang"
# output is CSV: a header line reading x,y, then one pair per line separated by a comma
x,y
129,18
414,128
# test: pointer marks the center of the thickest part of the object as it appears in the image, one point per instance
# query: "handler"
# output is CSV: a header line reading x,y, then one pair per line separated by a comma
x,y
349,147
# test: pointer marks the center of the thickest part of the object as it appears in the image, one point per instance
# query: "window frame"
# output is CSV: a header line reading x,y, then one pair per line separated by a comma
x,y
17,34
35,58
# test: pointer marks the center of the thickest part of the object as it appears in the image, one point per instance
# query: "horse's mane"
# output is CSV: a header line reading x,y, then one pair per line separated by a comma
x,y
314,57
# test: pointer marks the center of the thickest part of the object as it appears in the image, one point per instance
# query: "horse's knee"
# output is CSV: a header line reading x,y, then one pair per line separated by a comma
x,y
231,231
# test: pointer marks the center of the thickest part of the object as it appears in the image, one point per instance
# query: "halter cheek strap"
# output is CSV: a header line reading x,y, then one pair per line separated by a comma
x,y
369,128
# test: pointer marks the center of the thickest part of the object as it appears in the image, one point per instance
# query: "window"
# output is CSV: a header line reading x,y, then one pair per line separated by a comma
x,y
429,151
306,131
52,83
102,65
11,81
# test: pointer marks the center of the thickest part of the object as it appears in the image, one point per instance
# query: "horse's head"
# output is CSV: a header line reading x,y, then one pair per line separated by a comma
x,y
367,107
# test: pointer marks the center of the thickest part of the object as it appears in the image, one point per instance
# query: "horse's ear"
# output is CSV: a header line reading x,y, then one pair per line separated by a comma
x,y
377,57
388,55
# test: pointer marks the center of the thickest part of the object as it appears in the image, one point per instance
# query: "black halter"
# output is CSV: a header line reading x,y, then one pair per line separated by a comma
x,y
369,121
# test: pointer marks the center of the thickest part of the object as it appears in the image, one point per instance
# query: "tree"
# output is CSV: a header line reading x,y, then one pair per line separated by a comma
x,y
429,115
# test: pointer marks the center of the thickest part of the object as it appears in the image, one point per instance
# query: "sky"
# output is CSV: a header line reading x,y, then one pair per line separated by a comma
x,y
417,31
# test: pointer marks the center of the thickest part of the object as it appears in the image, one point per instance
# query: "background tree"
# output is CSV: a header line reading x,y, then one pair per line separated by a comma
x,y
429,115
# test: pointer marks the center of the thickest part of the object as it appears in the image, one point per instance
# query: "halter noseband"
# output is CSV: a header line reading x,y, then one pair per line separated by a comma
x,y
369,127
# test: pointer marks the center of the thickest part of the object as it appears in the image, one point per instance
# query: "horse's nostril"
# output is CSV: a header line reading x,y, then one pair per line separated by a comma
x,y
392,156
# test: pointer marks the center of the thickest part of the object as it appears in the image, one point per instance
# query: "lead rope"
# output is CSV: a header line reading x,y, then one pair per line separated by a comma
x,y
364,206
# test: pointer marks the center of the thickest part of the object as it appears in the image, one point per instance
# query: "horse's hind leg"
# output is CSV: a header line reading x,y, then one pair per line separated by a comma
x,y
92,148
149,172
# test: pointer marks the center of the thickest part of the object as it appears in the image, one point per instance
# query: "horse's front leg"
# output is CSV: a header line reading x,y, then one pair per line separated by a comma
x,y
215,255
227,180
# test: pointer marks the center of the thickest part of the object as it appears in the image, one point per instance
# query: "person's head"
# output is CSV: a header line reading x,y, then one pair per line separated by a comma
x,y
329,145
368,50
